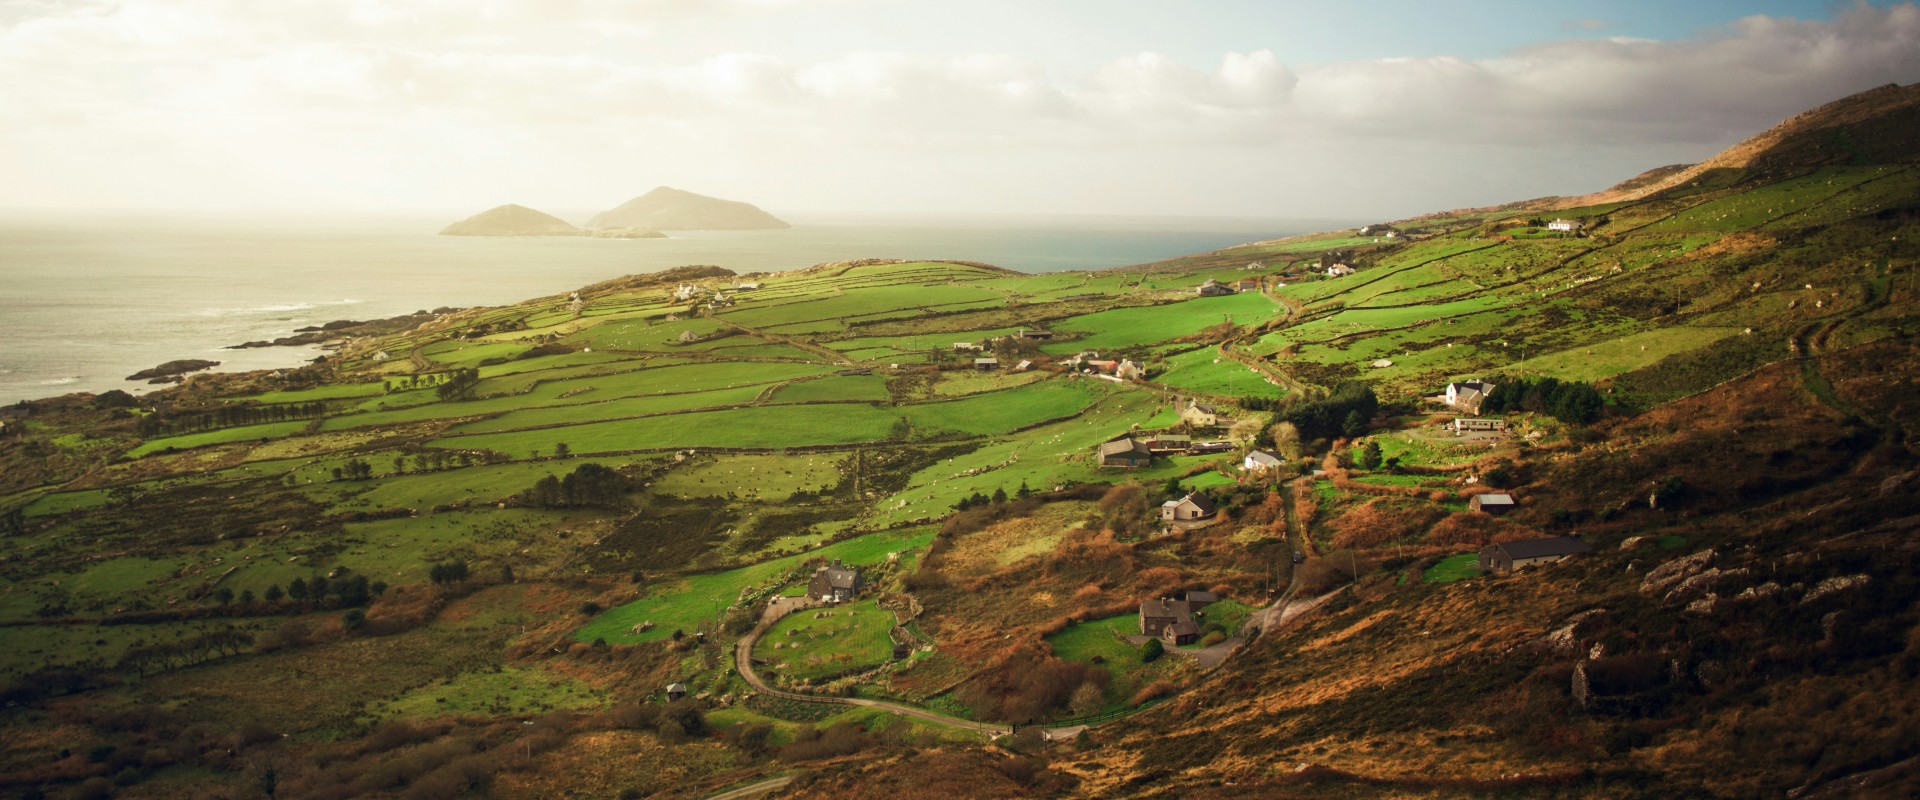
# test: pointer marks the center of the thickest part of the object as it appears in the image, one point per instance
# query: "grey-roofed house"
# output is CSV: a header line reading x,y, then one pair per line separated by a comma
x,y
835,583
1468,395
1509,556
1192,511
676,691
1261,460
1213,288
1124,453
987,364
1491,503
1158,613
1197,598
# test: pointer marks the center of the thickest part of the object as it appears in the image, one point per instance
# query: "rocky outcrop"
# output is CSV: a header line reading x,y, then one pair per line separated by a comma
x,y
172,370
1667,575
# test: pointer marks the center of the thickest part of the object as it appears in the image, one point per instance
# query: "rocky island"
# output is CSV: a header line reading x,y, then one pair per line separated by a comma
x,y
171,371
669,209
517,220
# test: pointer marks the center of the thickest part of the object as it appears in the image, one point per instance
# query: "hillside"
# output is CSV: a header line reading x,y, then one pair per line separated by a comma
x,y
669,209
512,220
549,549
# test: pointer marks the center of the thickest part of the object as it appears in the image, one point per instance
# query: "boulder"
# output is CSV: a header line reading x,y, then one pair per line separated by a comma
x,y
1665,576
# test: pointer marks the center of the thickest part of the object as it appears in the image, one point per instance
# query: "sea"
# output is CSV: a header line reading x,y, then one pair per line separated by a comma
x,y
88,299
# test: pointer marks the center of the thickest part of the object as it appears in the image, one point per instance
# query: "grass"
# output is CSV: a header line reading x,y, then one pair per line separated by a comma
x,y
691,602
1453,568
829,642
768,477
839,388
1099,642
1132,327
1003,411
1625,354
502,691
242,433
764,428
619,408
1207,372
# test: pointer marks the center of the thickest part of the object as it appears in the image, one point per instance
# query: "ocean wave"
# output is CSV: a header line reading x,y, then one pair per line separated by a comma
x,y
277,308
70,379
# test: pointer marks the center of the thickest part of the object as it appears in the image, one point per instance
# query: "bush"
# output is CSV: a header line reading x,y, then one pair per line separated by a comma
x,y
1151,651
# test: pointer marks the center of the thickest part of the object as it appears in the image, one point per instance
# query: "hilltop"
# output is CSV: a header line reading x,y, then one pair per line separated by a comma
x,y
550,547
669,209
512,220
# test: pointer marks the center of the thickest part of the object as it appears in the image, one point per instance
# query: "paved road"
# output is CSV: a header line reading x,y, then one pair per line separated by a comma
x,y
754,789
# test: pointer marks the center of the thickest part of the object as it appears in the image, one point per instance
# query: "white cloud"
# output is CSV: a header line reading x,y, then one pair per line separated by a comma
x,y
211,102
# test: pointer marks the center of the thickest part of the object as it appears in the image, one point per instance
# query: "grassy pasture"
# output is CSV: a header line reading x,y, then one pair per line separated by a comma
x,y
1612,357
1003,411
960,383
1207,372
503,691
620,408
769,477
1130,327
337,391
691,602
833,388
759,427
241,433
465,354
1453,568
828,642
663,380
858,302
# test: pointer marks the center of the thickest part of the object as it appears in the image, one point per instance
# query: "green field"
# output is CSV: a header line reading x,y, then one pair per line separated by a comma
x,y
695,601
837,388
828,642
1003,411
1453,568
1208,372
1132,327
762,428
243,433
503,691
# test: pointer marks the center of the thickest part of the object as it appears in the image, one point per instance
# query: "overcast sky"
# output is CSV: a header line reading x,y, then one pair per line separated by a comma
x,y
1268,108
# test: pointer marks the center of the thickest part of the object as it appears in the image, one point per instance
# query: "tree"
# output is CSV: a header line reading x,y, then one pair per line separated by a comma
x,y
1368,457
1087,700
223,594
999,495
561,450
506,573
297,589
1286,439
274,594
353,619
1245,432
1355,425
1151,651
1024,492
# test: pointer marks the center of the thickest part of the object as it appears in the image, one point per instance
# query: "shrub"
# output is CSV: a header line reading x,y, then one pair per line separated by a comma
x,y
1151,651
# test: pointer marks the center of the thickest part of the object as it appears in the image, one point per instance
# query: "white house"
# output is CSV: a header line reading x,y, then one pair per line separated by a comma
x,y
1192,511
1339,270
1564,225
1259,460
1468,395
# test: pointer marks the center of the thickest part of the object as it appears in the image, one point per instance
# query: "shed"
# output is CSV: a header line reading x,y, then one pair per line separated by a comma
x,y
1491,502
676,691
1125,453
1509,556
987,364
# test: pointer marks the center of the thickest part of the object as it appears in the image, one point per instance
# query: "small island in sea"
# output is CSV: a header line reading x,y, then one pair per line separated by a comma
x,y
518,220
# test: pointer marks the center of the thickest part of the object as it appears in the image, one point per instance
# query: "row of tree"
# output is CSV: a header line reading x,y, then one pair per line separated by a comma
x,y
587,486
1345,412
228,416
1574,402
458,384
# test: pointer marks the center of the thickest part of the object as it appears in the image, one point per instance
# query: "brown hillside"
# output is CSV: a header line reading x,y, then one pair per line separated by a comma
x,y
1877,126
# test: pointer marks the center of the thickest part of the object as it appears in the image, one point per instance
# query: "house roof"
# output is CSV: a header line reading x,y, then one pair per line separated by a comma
x,y
1200,598
1182,627
1496,499
1204,408
1199,501
839,577
1163,607
1264,458
1539,548
1118,446
986,360
1171,437
677,687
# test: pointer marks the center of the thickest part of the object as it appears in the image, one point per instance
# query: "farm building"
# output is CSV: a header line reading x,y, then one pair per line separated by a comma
x,y
676,691
689,337
1564,225
834,583
1197,598
1261,460
1212,446
1213,288
1168,442
1247,285
1124,454
1127,369
1462,425
1034,333
1509,556
1200,415
1492,502
1339,270
1023,366
1192,511
987,364
1157,614
1468,395
967,347
1181,632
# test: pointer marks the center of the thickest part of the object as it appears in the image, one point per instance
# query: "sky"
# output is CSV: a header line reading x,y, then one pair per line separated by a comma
x,y
1241,108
